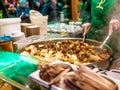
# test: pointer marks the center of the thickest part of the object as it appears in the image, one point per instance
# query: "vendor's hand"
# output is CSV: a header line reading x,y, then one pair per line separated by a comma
x,y
85,28
113,25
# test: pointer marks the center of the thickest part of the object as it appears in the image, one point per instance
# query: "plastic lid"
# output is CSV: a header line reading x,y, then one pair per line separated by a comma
x,y
34,26
9,20
25,24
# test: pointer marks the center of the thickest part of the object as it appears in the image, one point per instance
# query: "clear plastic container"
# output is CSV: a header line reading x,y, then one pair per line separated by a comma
x,y
23,42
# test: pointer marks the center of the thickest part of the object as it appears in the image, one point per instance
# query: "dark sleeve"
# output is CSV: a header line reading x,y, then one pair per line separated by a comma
x,y
31,5
86,12
28,10
36,1
2,7
59,5
45,9
18,12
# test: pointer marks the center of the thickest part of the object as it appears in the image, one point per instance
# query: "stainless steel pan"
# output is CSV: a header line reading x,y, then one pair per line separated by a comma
x,y
104,63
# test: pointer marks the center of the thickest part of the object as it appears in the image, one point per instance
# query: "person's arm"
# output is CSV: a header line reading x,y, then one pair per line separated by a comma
x,y
2,7
114,23
17,3
5,2
45,9
27,11
86,12
116,10
18,12
86,17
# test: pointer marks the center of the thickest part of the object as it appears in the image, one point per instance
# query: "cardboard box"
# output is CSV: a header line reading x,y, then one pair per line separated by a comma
x,y
24,28
32,30
8,46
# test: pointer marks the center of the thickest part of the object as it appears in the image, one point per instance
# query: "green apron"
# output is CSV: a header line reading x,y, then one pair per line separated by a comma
x,y
100,12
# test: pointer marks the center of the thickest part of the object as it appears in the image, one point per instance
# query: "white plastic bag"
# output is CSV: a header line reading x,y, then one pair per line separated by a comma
x,y
37,19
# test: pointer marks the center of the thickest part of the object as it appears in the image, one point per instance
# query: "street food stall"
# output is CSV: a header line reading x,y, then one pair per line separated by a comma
x,y
49,56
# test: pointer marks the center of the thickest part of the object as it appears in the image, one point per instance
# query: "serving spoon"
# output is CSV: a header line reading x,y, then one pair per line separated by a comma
x,y
83,38
108,36
104,42
100,48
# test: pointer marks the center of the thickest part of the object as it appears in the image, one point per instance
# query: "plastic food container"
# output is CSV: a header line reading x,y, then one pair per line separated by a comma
x,y
9,26
23,42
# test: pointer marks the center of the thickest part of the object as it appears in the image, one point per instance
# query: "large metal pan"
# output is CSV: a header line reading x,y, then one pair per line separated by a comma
x,y
103,63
